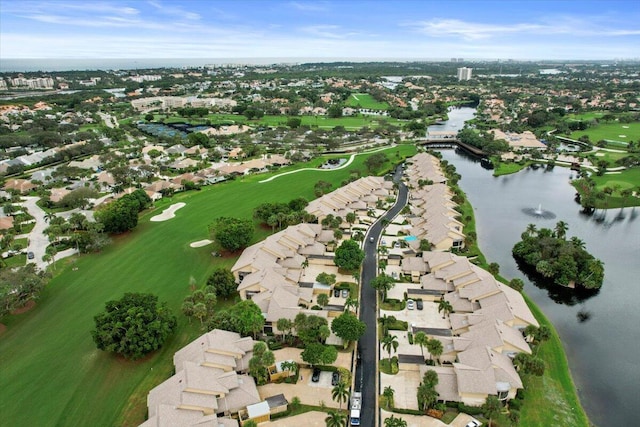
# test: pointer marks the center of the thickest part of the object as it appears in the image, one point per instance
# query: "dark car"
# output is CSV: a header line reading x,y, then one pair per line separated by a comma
x,y
30,255
316,375
419,304
335,378
336,293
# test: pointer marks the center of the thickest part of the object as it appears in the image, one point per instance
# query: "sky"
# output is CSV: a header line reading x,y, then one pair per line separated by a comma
x,y
376,29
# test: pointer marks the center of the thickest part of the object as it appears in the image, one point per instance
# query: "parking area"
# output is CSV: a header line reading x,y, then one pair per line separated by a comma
x,y
405,384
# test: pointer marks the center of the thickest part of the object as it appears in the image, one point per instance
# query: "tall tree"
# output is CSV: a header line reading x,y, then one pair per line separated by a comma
x,y
340,393
491,408
133,326
348,327
421,339
389,343
336,419
349,255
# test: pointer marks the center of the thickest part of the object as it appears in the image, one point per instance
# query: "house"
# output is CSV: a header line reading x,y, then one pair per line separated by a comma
x,y
208,385
21,186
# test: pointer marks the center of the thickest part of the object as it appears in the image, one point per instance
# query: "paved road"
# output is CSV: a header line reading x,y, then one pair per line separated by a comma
x,y
367,366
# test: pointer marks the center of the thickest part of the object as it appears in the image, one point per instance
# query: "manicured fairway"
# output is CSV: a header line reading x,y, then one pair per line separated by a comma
x,y
350,122
364,100
51,373
623,132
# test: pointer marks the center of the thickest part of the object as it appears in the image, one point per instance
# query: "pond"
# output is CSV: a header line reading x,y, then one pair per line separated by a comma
x,y
600,330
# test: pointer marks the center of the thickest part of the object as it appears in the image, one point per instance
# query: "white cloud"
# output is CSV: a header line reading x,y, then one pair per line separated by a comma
x,y
586,27
309,7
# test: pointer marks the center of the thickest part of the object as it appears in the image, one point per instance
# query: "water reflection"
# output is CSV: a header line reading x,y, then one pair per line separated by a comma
x,y
559,294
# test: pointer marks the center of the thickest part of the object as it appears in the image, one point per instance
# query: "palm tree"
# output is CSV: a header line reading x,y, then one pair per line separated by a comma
x,y
336,419
49,216
578,243
421,339
445,307
491,408
427,396
531,230
388,393
350,303
284,325
435,348
390,342
340,393
561,229
323,300
392,421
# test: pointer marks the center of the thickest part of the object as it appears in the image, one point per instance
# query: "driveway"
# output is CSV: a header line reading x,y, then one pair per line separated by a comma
x,y
38,241
308,392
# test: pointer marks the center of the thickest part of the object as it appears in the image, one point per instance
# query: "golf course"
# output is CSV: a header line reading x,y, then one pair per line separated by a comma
x,y
52,373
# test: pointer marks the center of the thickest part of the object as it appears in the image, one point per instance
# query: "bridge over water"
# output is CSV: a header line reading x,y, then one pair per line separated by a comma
x,y
447,139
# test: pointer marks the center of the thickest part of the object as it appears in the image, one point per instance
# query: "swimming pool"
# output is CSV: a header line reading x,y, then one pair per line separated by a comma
x,y
410,238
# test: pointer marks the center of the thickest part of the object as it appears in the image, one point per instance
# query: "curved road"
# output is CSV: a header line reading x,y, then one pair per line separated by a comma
x,y
367,364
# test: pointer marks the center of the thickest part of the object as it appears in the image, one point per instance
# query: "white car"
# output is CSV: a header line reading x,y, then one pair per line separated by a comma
x,y
474,423
410,304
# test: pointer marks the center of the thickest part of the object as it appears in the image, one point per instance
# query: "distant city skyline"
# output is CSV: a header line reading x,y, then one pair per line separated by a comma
x,y
587,30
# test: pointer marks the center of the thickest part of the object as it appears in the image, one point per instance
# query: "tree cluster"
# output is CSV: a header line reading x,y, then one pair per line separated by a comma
x,y
566,262
133,326
313,331
19,286
244,318
121,215
281,215
232,234
349,255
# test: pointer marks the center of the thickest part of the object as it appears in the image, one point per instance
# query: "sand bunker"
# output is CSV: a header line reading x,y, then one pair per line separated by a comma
x,y
168,213
201,243
622,136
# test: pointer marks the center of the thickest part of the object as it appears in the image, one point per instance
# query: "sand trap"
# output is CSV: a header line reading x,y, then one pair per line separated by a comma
x,y
201,243
600,154
625,127
622,136
168,213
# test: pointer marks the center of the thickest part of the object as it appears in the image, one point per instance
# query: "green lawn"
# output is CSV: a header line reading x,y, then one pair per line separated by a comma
x,y
350,122
611,131
507,168
610,157
364,100
52,373
590,115
551,400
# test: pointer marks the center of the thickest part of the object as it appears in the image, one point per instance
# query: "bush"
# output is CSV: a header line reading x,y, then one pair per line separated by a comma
x,y
471,410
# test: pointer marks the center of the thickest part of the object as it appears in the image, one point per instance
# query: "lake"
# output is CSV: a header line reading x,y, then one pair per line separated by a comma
x,y
600,330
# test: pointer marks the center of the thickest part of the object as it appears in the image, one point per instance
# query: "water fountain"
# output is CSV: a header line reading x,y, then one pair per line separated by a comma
x,y
539,212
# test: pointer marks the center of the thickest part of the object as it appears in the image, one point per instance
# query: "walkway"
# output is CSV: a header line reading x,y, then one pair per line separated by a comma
x,y
353,156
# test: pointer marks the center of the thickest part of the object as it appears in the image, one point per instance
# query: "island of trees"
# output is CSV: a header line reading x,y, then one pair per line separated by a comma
x,y
564,261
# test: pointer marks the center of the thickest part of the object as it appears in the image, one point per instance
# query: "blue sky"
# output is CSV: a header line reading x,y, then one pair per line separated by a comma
x,y
320,29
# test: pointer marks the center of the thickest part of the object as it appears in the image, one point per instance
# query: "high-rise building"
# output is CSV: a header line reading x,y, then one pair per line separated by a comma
x,y
464,73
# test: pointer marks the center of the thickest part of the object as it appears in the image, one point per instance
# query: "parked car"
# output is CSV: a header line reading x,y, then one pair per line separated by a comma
x,y
419,304
316,375
335,378
30,255
345,293
336,293
410,304
474,423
